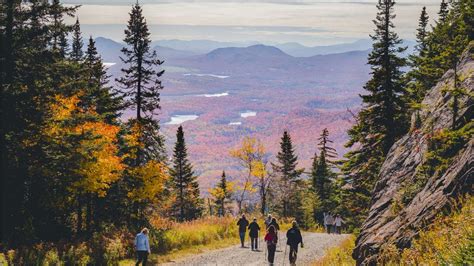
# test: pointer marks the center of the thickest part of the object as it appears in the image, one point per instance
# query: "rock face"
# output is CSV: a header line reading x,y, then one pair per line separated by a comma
x,y
384,225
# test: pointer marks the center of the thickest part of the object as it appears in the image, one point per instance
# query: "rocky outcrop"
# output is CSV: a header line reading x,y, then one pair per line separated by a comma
x,y
398,225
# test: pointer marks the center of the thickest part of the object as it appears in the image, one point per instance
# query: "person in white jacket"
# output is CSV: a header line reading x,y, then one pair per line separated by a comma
x,y
329,222
338,221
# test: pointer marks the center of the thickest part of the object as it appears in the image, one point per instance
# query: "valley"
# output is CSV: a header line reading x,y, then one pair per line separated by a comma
x,y
259,91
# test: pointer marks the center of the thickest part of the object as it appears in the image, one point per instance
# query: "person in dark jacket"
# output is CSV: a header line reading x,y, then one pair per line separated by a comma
x,y
272,239
254,228
294,238
242,223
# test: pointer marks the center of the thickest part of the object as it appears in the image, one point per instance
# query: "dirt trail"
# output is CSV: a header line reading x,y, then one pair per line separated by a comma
x,y
315,246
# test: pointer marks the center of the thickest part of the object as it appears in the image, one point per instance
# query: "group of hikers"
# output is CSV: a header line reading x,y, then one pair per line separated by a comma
x,y
333,223
293,236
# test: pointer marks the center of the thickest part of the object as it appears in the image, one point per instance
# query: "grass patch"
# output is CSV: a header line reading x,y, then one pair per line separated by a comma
x,y
448,241
339,255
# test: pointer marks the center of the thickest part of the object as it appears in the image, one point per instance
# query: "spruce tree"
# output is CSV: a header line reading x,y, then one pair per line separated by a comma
x,y
101,95
443,11
188,205
324,146
289,176
418,80
77,44
222,194
382,120
140,86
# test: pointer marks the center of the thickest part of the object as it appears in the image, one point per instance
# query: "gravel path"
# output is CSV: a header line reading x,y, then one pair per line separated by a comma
x,y
315,246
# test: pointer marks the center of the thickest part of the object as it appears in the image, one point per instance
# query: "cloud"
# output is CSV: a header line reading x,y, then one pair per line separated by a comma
x,y
275,21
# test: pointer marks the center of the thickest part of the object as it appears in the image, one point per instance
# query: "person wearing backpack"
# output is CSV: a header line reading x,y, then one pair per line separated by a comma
x,y
294,238
272,239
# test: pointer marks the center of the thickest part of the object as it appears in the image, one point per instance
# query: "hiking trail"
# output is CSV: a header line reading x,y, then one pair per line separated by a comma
x,y
315,245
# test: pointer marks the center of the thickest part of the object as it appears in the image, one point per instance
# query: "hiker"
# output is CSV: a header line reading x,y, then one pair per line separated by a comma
x,y
325,217
275,224
242,223
142,247
271,238
329,221
338,221
294,238
268,221
253,233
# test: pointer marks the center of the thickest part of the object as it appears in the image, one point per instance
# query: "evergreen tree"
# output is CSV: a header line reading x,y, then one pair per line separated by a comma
x,y
222,194
382,119
188,205
140,87
422,32
443,11
289,177
100,93
322,175
324,146
418,83
77,44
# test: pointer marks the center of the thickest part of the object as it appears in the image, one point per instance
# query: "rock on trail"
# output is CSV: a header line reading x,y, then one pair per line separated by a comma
x,y
315,245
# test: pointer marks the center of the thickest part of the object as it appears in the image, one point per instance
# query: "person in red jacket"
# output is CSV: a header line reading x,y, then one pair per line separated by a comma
x,y
272,239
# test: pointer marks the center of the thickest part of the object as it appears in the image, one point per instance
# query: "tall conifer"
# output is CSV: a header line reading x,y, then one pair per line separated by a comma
x,y
382,119
188,205
140,86
77,44
289,176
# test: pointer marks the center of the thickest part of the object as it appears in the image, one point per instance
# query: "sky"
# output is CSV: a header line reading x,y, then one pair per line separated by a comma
x,y
315,22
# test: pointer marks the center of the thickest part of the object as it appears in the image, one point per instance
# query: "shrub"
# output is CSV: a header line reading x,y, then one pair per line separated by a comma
x,y
449,240
77,255
340,255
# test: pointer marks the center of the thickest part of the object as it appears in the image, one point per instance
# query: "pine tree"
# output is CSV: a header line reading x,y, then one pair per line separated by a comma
x,y
59,30
101,95
443,11
140,86
422,32
289,176
222,194
322,175
324,146
382,120
77,44
185,185
418,83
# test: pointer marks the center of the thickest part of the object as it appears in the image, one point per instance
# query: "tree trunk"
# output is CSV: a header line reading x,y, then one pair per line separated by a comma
x,y
79,216
89,214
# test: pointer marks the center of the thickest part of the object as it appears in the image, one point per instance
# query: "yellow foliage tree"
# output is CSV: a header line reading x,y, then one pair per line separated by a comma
x,y
249,155
92,151
222,193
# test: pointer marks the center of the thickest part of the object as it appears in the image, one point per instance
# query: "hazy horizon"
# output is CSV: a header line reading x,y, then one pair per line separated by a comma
x,y
311,23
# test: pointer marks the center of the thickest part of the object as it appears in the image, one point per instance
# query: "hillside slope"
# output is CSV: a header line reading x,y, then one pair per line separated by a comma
x,y
406,198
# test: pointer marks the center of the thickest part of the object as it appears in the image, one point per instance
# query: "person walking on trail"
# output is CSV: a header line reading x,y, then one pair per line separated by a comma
x,y
294,238
254,228
272,239
142,247
268,221
275,224
329,223
325,223
242,223
338,221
